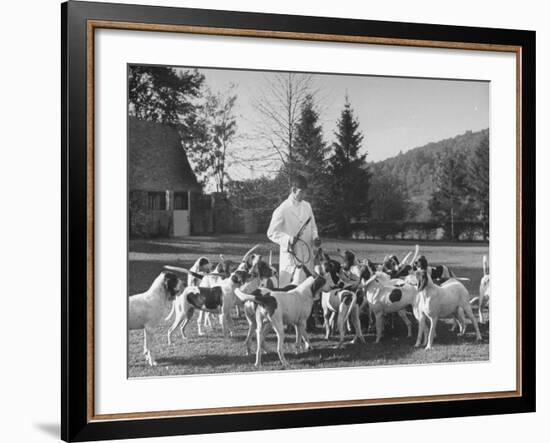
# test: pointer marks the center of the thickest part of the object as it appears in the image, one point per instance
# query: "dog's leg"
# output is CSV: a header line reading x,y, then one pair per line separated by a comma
x,y
372,321
249,338
179,317
357,326
251,326
379,318
426,332
200,322
480,311
471,316
223,323
145,348
432,332
228,318
279,329
259,338
403,314
265,326
226,321
332,322
188,316
461,320
149,355
303,332
298,339
421,327
456,324
327,317
342,312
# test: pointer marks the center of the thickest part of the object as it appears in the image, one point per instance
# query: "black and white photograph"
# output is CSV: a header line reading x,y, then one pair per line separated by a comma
x,y
301,221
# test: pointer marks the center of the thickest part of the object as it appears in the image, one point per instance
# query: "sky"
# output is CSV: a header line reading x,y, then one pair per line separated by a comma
x,y
395,114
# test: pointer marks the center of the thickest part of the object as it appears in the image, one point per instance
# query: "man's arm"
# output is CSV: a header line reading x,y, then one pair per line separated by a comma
x,y
275,231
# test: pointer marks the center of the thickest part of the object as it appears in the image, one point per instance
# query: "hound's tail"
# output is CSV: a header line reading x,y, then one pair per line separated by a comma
x,y
245,297
351,305
485,266
266,301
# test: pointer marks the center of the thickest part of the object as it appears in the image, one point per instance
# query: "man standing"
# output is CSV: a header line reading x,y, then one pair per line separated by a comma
x,y
286,222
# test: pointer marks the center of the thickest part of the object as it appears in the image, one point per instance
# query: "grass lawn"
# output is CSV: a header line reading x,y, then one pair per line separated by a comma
x,y
214,354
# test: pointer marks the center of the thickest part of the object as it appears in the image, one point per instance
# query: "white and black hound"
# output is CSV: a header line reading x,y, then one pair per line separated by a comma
x,y
146,310
343,299
385,295
435,302
219,299
484,288
279,308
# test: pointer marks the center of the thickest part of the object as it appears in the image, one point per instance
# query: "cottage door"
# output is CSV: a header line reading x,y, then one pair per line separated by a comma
x,y
182,225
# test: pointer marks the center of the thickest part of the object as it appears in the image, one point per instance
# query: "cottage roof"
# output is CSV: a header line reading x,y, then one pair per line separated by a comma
x,y
157,160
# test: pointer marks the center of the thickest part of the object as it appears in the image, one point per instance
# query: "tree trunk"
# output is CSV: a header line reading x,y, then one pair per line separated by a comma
x,y
453,223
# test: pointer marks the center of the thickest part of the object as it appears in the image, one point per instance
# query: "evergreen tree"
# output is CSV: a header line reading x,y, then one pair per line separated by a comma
x,y
310,152
389,198
162,94
478,181
348,174
451,202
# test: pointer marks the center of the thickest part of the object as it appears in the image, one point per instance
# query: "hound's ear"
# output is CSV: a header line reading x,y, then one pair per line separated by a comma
x,y
421,263
264,270
371,265
317,284
365,273
257,292
239,277
170,283
422,280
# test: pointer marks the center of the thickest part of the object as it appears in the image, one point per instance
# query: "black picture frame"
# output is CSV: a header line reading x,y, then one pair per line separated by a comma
x,y
77,424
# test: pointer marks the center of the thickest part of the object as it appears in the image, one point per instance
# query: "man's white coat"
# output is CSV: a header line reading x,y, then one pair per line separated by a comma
x,y
286,221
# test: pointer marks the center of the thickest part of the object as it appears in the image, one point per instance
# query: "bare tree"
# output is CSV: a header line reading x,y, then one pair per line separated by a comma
x,y
278,105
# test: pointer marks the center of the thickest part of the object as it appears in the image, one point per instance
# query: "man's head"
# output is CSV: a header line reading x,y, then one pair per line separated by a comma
x,y
298,187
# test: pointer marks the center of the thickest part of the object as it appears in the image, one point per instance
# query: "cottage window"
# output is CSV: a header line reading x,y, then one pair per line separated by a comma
x,y
156,201
180,201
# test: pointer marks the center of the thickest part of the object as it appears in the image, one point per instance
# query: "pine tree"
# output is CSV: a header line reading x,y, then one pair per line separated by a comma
x,y
310,151
389,198
162,94
451,201
478,181
348,174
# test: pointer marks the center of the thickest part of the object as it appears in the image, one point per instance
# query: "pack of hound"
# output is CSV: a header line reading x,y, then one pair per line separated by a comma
x,y
346,289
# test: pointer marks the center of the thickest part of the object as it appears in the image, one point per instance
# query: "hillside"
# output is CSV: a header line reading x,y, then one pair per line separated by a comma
x,y
415,167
